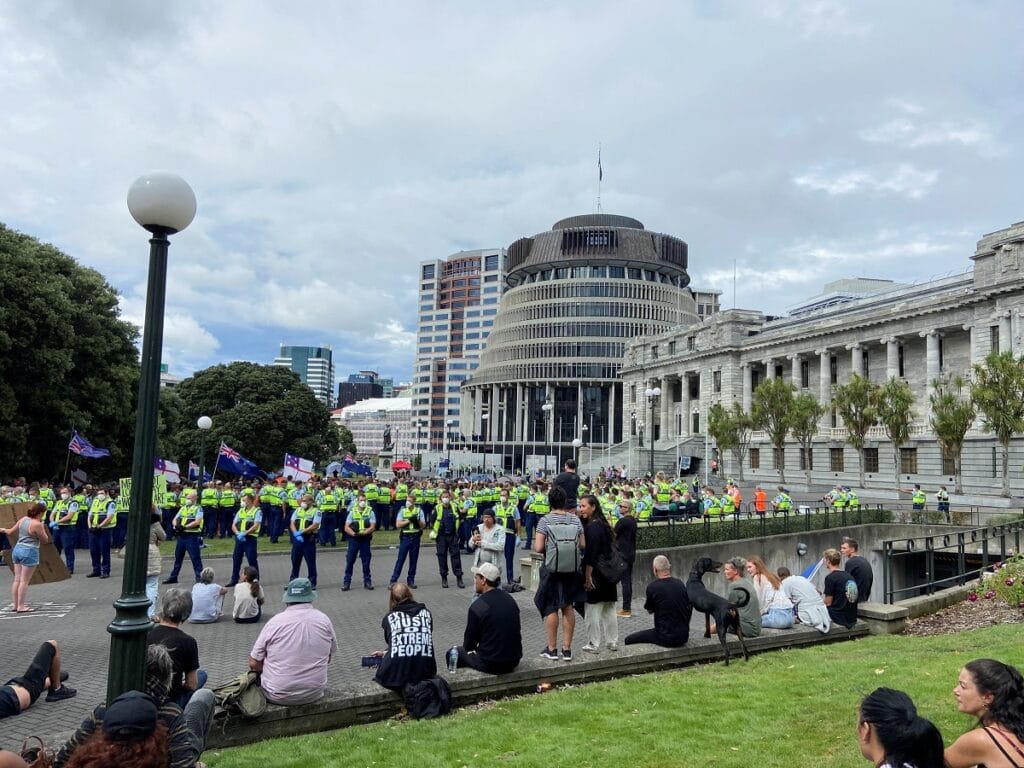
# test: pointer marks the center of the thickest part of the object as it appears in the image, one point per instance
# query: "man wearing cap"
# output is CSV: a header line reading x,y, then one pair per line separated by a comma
x,y
493,641
294,648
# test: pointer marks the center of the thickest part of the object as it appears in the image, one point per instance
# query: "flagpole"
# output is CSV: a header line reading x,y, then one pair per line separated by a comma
x,y
67,463
600,177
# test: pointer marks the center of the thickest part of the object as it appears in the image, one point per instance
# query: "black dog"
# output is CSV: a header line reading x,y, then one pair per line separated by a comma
x,y
712,606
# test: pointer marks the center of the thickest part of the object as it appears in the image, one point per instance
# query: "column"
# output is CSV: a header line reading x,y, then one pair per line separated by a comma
x,y
972,345
1017,333
1005,333
517,430
794,368
478,412
769,368
824,384
748,386
549,422
932,371
892,357
856,359
609,436
495,419
667,427
684,379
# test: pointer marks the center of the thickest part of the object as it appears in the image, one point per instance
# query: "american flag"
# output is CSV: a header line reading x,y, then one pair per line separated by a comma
x,y
83,447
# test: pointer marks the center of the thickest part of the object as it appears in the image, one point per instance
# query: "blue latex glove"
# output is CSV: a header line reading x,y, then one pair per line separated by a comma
x,y
240,535
55,525
298,537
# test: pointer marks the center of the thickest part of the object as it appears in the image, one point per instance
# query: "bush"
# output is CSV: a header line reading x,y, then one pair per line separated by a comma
x,y
1005,582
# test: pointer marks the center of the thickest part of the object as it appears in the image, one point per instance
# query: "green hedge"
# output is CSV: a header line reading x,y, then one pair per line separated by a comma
x,y
675,533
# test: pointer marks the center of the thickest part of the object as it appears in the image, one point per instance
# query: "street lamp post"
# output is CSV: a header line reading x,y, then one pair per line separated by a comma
x,y
448,435
547,408
585,431
653,395
485,418
163,204
629,452
576,443
204,423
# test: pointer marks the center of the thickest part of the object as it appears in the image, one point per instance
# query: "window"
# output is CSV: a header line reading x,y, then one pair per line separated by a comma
x,y
908,461
491,262
805,374
428,271
833,370
871,460
716,381
948,465
691,343
780,457
835,460
864,358
654,351
806,459
778,371
696,430
755,458
993,338
941,351
899,361
671,347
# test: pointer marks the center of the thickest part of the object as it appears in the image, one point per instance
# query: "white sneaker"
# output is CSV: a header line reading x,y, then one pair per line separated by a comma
x,y
613,646
591,648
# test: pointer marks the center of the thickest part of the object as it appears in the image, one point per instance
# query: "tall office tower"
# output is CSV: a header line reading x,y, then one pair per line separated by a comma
x,y
458,300
576,295
315,367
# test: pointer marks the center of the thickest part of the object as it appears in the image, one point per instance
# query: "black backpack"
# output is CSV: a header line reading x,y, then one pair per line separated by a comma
x,y
428,699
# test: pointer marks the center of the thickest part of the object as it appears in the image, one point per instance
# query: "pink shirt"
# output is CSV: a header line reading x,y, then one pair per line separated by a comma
x,y
295,647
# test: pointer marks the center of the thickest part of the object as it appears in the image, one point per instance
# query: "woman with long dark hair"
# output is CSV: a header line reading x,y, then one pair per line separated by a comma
x,y
993,692
602,628
892,735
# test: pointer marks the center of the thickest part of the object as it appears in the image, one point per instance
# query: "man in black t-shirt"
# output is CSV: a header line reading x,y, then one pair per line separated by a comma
x,y
667,600
840,591
569,482
493,641
858,568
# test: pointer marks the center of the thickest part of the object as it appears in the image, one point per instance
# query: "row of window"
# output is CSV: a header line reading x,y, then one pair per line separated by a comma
x,y
605,272
634,291
518,335
589,349
552,371
837,460
546,311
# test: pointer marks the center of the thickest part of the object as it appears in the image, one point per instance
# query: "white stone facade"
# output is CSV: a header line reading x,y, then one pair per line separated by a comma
x,y
917,332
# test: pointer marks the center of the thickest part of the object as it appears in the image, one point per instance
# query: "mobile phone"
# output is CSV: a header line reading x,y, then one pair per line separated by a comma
x,y
372,661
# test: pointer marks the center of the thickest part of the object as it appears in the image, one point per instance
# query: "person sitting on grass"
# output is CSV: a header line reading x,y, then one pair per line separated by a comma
x,y
891,734
207,599
249,598
43,674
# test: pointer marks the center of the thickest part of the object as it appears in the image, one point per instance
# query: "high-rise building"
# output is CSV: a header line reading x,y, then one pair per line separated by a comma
x,y
360,386
575,296
315,367
458,301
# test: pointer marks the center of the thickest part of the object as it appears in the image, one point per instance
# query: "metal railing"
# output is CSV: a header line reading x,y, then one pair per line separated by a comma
x,y
972,551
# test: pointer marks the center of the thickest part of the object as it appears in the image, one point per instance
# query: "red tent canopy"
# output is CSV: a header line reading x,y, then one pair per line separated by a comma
x,y
401,464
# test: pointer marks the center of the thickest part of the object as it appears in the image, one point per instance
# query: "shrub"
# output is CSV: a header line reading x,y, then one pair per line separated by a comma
x,y
1004,582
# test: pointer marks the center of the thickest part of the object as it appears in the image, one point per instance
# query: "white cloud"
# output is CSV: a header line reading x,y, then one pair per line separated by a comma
x,y
904,180
908,133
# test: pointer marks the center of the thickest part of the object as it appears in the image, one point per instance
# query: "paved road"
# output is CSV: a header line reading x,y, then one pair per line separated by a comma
x,y
76,612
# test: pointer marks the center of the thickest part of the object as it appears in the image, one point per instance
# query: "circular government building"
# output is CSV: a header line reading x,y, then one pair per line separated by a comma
x,y
574,296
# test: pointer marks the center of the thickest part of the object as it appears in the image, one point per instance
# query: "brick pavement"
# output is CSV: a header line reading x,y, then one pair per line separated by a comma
x,y
224,646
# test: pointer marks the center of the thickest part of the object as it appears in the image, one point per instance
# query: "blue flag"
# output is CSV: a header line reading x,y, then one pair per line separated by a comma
x,y
354,467
83,447
232,461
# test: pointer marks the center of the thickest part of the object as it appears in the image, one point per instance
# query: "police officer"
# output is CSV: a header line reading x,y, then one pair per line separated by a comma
x,y
188,529
102,519
782,502
918,499
168,508
64,523
359,527
410,523
304,524
327,502
446,533
507,516
246,530
227,506
942,501
210,501
537,507
401,494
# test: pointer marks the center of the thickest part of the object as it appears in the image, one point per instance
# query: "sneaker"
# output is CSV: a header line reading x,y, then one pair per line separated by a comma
x,y
61,693
592,648
367,585
345,587
96,576
613,646
166,581
567,654
412,584
624,614
549,653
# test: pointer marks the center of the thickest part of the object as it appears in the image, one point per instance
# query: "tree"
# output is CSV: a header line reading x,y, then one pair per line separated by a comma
x,y
998,392
773,400
346,443
953,412
803,424
262,411
855,404
731,429
67,361
894,403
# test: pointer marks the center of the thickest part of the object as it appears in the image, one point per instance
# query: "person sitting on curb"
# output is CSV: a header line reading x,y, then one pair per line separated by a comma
x,y
493,641
44,673
668,601
409,633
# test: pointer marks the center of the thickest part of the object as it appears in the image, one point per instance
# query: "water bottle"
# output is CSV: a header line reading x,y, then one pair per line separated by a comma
x,y
453,659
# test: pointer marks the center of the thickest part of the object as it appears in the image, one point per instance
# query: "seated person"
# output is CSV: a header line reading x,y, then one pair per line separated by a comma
x,y
186,732
175,608
294,648
667,600
131,734
249,598
207,599
493,641
743,594
408,631
839,592
20,693
807,603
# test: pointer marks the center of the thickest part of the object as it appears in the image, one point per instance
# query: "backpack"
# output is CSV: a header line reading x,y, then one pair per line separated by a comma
x,y
242,696
562,554
428,699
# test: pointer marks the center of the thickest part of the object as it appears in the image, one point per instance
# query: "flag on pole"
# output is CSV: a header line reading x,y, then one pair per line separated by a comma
x,y
600,172
297,467
167,469
83,447
232,461
812,570
355,467
193,472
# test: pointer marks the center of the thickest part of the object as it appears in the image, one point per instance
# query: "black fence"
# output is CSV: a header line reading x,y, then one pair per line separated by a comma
x,y
926,564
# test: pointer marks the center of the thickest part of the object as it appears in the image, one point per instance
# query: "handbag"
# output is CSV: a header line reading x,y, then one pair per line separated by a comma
x,y
35,756
611,566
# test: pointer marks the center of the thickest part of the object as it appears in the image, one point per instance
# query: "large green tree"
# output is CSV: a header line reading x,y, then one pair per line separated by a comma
x,y
67,361
803,424
894,404
262,411
855,404
731,429
953,412
998,391
773,401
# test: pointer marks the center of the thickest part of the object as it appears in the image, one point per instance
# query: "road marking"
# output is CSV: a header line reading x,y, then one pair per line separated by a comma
x,y
41,610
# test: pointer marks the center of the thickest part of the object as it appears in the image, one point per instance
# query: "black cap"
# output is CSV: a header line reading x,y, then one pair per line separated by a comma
x,y
130,716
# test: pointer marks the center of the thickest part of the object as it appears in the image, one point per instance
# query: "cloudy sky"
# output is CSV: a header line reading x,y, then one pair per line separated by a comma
x,y
334,145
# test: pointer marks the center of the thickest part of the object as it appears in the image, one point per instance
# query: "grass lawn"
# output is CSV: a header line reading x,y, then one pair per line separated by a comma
x,y
227,546
785,708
